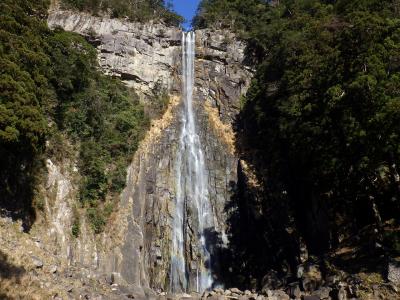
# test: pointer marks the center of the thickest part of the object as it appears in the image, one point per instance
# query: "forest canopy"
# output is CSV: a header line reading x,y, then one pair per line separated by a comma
x,y
135,10
320,121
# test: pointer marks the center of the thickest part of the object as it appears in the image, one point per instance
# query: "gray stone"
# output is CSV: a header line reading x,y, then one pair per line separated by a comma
x,y
271,281
171,297
195,295
135,52
216,297
37,262
323,293
222,76
116,278
236,291
228,292
130,291
394,288
52,269
342,293
294,290
149,292
277,295
310,276
393,273
310,298
219,291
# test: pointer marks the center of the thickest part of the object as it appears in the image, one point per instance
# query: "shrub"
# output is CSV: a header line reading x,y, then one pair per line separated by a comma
x,y
76,228
97,219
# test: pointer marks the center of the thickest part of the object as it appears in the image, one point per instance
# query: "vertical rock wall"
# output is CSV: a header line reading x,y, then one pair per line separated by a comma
x,y
136,244
223,75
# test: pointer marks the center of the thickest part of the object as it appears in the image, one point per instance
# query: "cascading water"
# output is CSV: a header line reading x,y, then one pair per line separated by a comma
x,y
192,195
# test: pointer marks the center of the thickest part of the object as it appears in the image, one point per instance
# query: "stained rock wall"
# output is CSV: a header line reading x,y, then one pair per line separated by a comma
x,y
135,247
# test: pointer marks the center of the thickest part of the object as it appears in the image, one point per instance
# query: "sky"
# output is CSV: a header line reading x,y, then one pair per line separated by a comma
x,y
187,9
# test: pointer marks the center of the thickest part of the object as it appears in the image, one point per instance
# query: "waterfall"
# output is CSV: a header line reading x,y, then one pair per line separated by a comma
x,y
192,195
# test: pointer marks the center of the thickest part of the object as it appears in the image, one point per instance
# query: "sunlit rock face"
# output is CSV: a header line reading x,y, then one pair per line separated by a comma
x,y
223,72
144,56
137,244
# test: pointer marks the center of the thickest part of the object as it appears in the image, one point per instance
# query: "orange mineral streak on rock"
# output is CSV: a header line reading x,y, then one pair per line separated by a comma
x,y
222,130
158,126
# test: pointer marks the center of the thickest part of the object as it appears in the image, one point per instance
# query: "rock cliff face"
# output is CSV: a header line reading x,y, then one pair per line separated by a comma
x,y
222,74
136,245
144,56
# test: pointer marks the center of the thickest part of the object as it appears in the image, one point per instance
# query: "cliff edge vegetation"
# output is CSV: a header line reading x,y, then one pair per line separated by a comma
x,y
136,10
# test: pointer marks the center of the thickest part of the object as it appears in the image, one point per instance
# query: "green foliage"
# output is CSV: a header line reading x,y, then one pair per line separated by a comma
x,y
135,10
39,203
109,122
330,124
51,89
232,14
23,95
108,209
97,219
76,228
101,114
99,215
321,116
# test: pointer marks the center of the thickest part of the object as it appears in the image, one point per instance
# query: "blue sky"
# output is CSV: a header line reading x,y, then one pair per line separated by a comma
x,y
187,9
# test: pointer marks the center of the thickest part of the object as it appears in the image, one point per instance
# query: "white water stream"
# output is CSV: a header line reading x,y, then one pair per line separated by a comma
x,y
191,187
